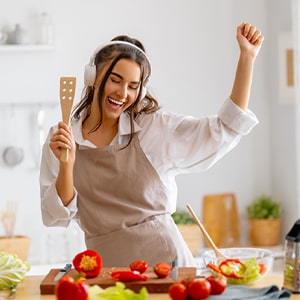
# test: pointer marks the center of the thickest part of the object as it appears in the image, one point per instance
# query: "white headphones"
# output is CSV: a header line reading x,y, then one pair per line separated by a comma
x,y
90,69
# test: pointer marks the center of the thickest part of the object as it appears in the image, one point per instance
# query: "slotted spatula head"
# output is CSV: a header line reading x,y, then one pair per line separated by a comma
x,y
67,93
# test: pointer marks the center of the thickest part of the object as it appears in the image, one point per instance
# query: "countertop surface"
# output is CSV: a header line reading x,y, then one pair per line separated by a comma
x,y
30,288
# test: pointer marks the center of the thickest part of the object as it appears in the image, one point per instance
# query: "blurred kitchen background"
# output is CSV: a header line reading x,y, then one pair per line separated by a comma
x,y
194,52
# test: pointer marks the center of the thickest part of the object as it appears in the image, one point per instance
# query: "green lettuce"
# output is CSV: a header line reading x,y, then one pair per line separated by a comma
x,y
116,292
249,274
12,270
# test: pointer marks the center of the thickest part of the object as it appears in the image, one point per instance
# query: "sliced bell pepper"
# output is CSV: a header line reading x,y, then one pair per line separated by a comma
x,y
88,262
214,267
232,268
262,268
238,272
126,275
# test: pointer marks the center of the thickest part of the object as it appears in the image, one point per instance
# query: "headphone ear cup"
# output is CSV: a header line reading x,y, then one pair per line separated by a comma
x,y
144,92
89,75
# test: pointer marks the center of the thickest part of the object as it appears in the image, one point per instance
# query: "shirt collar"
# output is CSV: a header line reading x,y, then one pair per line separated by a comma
x,y
124,126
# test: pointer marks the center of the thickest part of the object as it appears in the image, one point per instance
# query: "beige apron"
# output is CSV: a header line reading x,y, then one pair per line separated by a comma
x,y
122,207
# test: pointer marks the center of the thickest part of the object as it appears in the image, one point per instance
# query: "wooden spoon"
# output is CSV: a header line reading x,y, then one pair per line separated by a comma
x,y
207,236
67,92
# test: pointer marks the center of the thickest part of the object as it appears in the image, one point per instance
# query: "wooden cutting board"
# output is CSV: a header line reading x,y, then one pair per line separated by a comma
x,y
104,280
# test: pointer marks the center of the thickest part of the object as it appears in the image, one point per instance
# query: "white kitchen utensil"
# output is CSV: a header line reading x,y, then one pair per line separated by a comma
x,y
13,155
8,218
3,38
207,236
67,92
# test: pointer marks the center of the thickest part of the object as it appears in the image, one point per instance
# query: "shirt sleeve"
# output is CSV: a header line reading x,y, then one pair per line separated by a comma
x,y
240,121
185,144
54,213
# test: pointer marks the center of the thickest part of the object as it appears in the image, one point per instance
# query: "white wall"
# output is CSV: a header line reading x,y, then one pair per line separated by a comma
x,y
284,133
194,53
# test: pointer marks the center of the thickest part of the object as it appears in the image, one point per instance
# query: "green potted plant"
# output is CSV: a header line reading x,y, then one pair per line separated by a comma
x,y
189,229
264,215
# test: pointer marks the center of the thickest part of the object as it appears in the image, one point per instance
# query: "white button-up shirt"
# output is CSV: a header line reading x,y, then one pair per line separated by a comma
x,y
173,143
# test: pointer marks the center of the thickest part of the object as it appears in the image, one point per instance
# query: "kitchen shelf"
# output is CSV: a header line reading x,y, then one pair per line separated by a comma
x,y
26,48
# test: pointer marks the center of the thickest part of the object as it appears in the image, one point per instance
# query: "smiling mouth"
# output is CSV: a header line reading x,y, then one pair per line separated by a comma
x,y
115,102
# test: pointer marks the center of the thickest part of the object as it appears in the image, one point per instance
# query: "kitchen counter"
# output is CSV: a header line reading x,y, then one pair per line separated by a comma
x,y
30,288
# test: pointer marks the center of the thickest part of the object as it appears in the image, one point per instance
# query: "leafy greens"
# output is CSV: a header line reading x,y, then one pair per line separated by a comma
x,y
116,292
12,270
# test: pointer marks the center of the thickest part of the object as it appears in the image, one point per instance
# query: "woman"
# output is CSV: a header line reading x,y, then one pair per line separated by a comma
x,y
124,154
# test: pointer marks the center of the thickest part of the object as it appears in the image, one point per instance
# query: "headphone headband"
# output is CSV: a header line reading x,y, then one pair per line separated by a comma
x,y
90,68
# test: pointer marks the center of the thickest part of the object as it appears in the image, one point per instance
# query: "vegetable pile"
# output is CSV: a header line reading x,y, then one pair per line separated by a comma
x,y
89,264
196,288
238,272
69,288
137,268
12,270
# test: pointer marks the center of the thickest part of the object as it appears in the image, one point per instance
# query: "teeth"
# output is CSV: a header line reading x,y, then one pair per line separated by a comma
x,y
116,102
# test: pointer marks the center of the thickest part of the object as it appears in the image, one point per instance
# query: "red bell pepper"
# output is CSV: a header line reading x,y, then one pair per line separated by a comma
x,y
229,268
262,268
126,275
214,267
69,289
88,262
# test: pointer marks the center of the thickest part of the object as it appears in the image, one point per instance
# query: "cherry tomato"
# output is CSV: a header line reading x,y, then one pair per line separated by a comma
x,y
162,269
218,284
185,282
199,289
139,265
178,291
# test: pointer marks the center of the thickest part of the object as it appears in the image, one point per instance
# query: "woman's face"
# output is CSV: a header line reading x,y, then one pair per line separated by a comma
x,y
121,88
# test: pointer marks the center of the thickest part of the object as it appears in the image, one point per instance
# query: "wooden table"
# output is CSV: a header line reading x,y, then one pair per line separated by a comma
x,y
30,288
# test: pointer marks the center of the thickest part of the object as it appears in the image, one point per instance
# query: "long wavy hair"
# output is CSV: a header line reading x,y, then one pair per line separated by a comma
x,y
111,54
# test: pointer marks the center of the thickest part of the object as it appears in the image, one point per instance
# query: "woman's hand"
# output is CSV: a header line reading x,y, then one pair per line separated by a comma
x,y
63,139
249,38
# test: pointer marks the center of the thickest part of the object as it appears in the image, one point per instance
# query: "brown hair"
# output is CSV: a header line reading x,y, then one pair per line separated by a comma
x,y
111,54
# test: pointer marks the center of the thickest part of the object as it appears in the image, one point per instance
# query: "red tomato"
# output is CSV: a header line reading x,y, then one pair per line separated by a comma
x,y
218,284
185,282
139,265
162,269
199,289
69,289
178,291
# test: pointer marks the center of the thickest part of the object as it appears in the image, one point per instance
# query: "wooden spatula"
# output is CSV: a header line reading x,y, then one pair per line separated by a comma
x,y
67,92
205,233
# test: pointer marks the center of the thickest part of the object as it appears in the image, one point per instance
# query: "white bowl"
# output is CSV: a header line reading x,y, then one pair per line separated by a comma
x,y
262,256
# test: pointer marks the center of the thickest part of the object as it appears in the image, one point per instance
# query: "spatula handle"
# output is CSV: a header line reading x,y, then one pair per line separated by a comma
x,y
205,233
64,155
